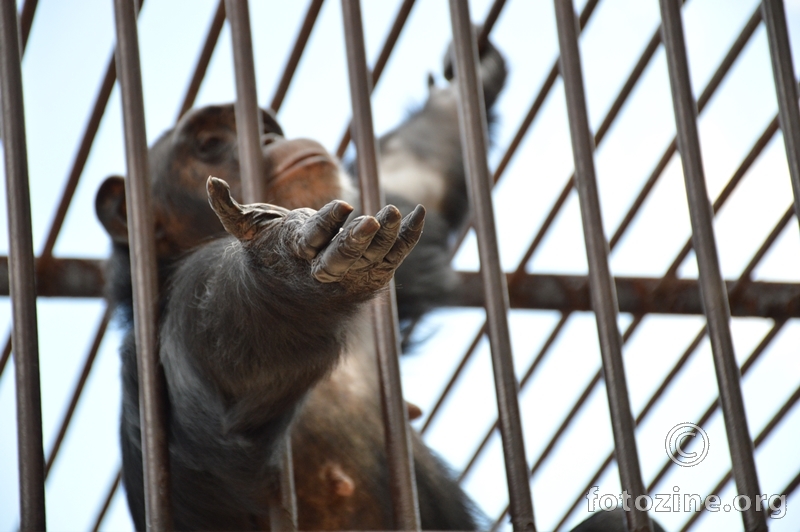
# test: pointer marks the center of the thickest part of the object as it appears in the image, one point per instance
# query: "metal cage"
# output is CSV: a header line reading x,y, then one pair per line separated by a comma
x,y
617,301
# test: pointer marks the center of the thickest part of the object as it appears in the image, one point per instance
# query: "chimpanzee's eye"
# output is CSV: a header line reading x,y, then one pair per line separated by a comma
x,y
211,146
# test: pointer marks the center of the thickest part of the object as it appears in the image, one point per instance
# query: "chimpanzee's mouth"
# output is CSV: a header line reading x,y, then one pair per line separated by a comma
x,y
303,161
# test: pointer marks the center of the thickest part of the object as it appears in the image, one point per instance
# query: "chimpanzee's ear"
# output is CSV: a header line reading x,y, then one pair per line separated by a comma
x,y
109,204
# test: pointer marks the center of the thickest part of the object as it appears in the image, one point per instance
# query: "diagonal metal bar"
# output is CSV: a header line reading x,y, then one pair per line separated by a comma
x,y
21,277
538,101
82,155
787,491
26,21
741,283
76,394
603,291
715,297
297,52
203,61
143,266
783,71
402,479
762,436
714,406
528,374
112,489
380,64
741,171
719,75
472,119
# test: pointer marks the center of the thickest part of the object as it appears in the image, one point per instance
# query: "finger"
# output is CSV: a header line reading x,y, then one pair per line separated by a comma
x,y
345,250
320,229
389,218
410,231
241,221
219,197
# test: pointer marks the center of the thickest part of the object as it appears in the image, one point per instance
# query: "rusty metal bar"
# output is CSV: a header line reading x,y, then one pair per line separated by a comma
x,y
205,58
785,87
283,508
402,480
21,277
715,297
297,52
603,291
143,266
765,432
380,64
637,295
107,501
67,277
472,118
76,394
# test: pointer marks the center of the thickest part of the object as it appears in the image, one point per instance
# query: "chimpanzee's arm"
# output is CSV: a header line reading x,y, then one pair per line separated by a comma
x,y
252,322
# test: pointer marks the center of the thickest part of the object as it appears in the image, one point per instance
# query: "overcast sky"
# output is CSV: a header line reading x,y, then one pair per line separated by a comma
x,y
69,48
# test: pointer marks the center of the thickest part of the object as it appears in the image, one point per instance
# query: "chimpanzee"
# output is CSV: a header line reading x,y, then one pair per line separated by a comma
x,y
262,327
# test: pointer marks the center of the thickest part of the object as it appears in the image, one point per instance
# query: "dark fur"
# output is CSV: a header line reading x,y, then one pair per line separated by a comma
x,y
251,343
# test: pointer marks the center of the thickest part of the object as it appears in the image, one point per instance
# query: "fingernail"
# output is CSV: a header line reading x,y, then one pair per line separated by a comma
x,y
366,228
342,210
417,218
390,217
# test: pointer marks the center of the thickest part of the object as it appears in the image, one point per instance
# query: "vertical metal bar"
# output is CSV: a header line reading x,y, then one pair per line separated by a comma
x,y
283,509
601,286
205,58
297,52
472,118
248,117
538,101
786,89
143,266
380,63
21,277
402,481
714,294
714,406
762,436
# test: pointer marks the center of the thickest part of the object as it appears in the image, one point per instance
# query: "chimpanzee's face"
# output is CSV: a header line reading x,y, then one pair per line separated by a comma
x,y
296,173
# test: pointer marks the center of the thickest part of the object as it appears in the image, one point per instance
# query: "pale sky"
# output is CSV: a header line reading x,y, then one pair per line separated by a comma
x,y
71,43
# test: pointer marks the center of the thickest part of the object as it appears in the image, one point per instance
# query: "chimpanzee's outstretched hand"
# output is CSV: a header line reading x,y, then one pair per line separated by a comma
x,y
361,255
